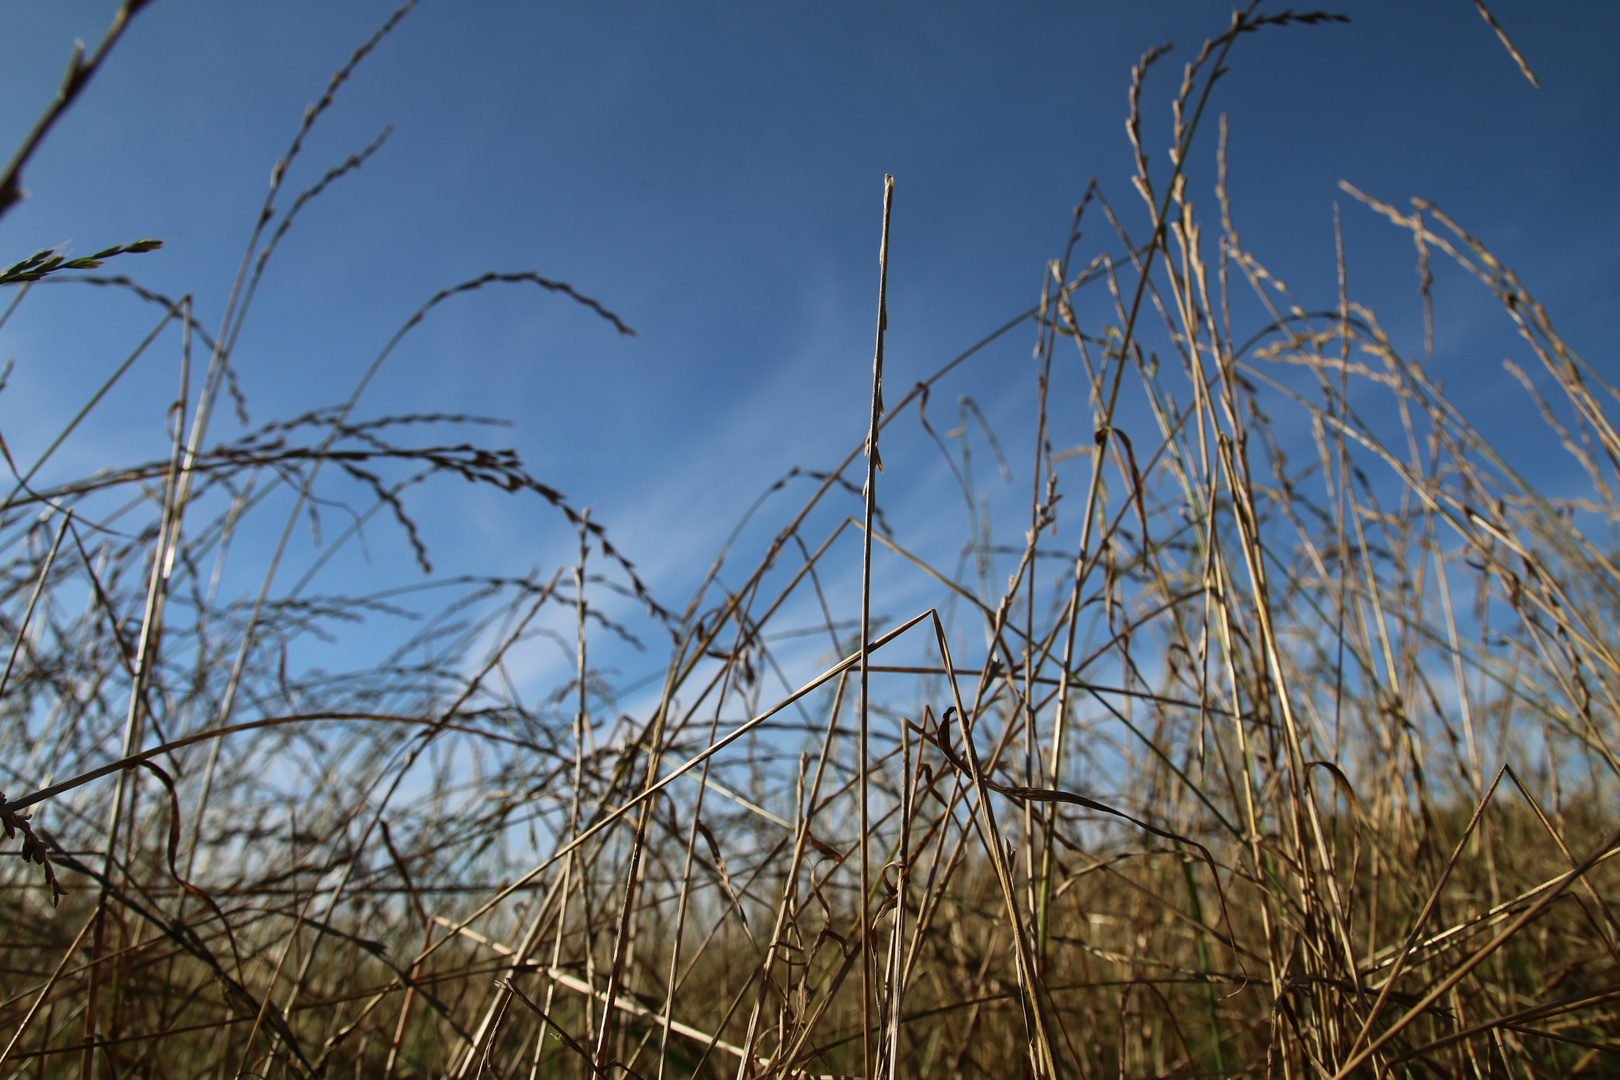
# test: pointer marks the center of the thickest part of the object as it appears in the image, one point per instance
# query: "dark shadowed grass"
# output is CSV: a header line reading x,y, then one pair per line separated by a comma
x,y
1282,743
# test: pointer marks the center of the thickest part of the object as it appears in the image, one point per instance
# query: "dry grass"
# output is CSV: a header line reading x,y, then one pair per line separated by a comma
x,y
1304,764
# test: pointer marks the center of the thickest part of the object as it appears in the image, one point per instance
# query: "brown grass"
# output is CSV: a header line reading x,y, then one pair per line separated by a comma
x,y
1303,766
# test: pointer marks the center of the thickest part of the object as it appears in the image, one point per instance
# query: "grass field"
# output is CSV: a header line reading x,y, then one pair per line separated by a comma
x,y
1280,741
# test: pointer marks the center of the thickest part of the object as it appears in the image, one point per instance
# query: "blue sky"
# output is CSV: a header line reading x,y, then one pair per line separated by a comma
x,y
713,173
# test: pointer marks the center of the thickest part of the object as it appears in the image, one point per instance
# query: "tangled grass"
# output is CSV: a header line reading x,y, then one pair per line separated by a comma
x,y
1302,763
